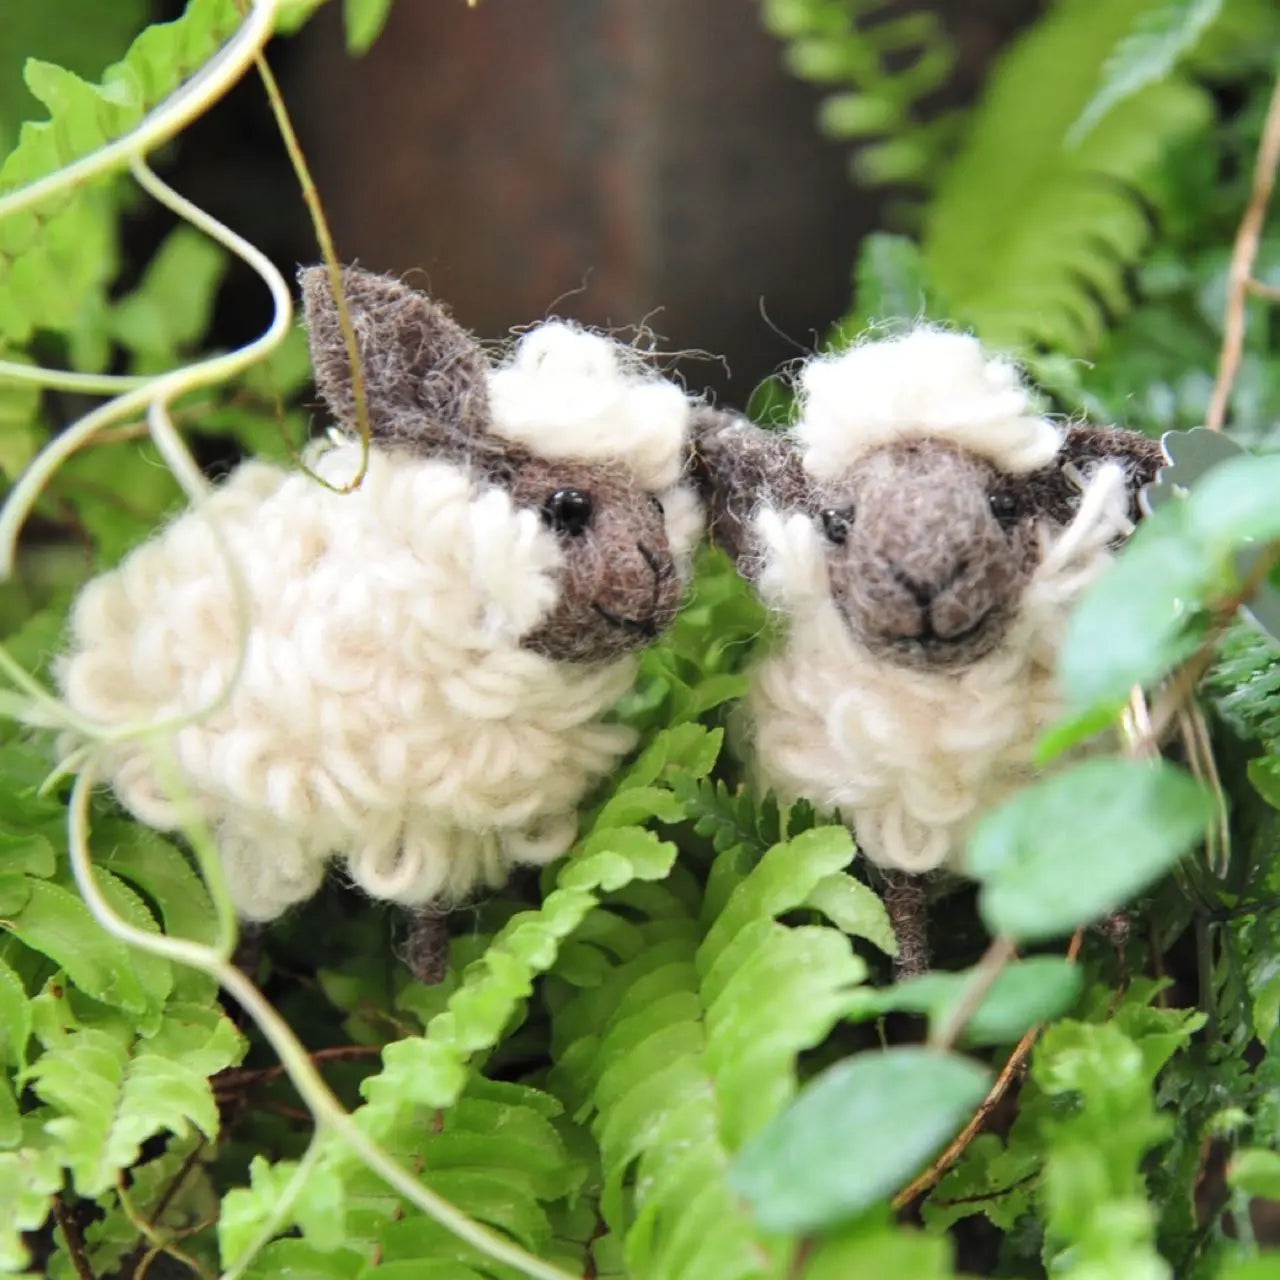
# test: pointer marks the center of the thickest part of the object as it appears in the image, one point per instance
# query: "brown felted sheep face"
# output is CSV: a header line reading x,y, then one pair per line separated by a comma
x,y
619,587
928,546
928,549
429,389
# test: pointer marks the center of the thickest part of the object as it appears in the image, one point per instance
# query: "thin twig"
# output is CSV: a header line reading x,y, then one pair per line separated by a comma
x,y
1268,292
71,1233
1011,1070
233,1079
147,1227
1242,258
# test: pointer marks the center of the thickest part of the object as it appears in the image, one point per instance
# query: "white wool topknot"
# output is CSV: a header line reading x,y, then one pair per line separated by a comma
x,y
925,383
567,393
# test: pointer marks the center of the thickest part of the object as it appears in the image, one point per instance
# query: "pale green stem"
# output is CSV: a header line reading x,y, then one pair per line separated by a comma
x,y
90,384
185,104
328,1111
164,387
281,1210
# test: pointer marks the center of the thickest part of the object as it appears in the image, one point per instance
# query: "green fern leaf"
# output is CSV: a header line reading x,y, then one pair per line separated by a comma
x,y
436,1071
58,260
685,1050
890,63
29,1178
302,1261
110,1092
54,921
1162,36
15,1018
855,910
1028,239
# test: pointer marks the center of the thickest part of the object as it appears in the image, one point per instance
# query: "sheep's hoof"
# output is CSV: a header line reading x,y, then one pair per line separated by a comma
x,y
908,907
427,952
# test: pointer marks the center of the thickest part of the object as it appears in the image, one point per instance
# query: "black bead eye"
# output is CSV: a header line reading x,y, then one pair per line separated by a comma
x,y
835,524
657,505
568,511
1005,506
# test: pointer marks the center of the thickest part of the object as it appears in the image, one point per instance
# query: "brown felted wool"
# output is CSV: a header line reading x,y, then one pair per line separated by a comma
x,y
425,387
923,570
739,468
619,587
424,375
928,546
907,903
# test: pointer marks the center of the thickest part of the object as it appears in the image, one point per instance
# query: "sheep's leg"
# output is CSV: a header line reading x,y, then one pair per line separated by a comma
x,y
427,951
248,952
907,904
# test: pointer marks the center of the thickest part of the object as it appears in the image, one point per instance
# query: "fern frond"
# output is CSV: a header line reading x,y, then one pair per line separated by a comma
x,y
1029,238
436,1072
1245,685
497,1153
57,261
880,67
682,1053
1161,37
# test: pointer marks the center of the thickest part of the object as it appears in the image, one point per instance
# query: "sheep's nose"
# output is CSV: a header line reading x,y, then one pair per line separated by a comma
x,y
663,567
932,608
924,591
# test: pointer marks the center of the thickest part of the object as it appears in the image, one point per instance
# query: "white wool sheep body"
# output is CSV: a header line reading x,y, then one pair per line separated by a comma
x,y
389,710
924,544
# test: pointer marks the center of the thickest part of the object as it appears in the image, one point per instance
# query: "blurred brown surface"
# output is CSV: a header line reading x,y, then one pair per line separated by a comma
x,y
610,160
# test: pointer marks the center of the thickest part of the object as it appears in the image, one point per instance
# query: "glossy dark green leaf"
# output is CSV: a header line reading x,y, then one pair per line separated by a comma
x,y
855,1134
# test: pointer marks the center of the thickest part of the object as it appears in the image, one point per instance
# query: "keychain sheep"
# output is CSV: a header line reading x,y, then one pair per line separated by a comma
x,y
432,657
925,536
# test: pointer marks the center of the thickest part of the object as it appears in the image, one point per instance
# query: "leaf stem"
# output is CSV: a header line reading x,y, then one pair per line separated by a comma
x,y
71,1233
66,380
324,237
994,959
1008,1073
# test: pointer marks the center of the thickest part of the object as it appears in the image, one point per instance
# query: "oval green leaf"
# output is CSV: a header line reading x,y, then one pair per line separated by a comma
x,y
1081,843
855,1135
1024,994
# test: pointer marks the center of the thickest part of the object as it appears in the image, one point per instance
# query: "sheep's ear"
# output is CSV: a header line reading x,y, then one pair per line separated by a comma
x,y
740,468
1139,455
424,375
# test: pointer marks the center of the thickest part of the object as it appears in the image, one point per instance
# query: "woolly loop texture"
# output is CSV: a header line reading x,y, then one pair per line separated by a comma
x,y
387,713
926,383
910,757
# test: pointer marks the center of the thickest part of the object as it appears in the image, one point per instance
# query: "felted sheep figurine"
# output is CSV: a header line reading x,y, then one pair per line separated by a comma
x,y
431,657
925,534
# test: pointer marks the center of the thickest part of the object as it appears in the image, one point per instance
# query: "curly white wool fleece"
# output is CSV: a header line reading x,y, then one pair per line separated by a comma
x,y
385,712
878,392
568,393
911,757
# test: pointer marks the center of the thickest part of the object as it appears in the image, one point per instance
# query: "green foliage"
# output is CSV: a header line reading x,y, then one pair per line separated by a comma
x,y
903,1103
681,1051
1150,609
1147,55
880,67
1047,859
1029,238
